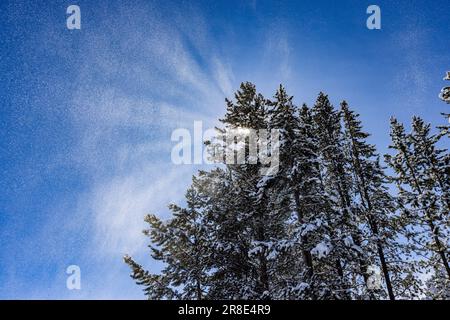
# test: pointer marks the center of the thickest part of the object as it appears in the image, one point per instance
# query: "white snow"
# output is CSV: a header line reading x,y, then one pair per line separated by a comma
x,y
321,250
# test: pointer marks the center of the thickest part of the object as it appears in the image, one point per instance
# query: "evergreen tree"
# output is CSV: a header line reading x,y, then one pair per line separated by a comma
x,y
299,198
250,111
315,211
423,194
231,272
336,168
376,204
182,244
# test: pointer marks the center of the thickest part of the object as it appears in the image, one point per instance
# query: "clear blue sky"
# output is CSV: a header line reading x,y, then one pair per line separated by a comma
x,y
86,115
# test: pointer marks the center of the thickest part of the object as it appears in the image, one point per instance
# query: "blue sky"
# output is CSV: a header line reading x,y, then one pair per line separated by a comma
x,y
86,115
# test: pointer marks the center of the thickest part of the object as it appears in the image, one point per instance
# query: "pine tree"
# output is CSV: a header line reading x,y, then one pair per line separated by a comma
x,y
231,272
335,165
423,195
299,198
315,210
182,244
250,112
377,205
432,168
281,116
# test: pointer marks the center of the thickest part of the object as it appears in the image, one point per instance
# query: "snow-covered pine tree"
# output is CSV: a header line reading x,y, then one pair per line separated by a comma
x,y
376,204
335,166
182,244
299,198
256,198
315,211
420,170
232,276
281,116
434,170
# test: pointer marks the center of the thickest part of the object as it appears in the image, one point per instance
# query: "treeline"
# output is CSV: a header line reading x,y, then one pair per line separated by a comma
x,y
337,221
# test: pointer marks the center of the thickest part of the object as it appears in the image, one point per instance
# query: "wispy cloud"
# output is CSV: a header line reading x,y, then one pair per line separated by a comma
x,y
133,89
120,203
278,51
224,77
